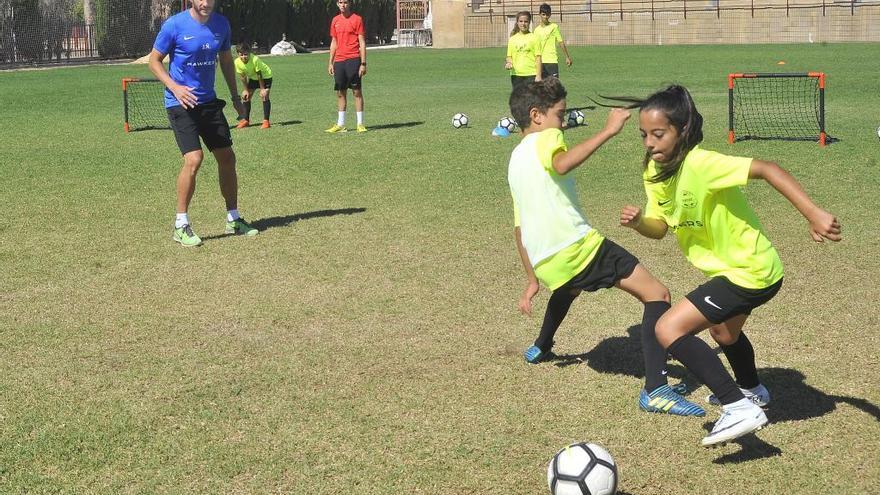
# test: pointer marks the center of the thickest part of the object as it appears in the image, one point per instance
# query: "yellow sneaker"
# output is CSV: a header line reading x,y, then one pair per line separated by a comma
x,y
362,128
336,128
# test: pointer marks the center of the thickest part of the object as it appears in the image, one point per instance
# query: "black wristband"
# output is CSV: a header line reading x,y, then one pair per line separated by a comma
x,y
364,64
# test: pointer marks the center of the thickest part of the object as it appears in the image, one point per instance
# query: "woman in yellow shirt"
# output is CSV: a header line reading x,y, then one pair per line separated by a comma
x,y
696,194
523,52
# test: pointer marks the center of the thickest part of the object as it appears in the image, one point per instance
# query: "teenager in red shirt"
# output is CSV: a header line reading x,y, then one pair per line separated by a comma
x,y
348,63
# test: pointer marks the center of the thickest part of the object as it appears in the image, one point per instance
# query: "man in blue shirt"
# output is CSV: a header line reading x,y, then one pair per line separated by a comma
x,y
195,40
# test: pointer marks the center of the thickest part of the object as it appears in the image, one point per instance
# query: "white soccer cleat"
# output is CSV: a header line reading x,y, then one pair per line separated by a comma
x,y
759,396
737,419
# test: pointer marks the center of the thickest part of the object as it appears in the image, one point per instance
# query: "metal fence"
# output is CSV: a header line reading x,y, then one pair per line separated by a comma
x,y
55,31
49,42
641,22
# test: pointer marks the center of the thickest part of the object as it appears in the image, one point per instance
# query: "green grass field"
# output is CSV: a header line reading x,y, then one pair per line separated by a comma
x,y
367,341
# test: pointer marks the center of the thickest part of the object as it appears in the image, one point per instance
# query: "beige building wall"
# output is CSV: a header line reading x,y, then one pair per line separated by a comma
x,y
448,30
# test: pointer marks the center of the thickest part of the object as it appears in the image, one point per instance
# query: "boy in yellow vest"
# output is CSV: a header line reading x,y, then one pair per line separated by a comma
x,y
255,74
549,33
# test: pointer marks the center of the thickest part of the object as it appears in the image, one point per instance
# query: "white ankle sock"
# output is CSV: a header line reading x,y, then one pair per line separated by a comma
x,y
232,215
360,117
181,220
340,119
740,404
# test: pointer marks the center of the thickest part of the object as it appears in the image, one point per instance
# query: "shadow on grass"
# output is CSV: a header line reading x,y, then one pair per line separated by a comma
x,y
256,123
794,400
752,448
621,356
263,224
395,125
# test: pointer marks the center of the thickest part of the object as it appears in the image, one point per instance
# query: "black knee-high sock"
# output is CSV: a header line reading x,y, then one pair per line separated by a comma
x,y
267,108
557,307
653,353
247,110
741,356
698,357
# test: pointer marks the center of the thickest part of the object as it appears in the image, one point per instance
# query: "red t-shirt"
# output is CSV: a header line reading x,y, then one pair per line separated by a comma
x,y
346,31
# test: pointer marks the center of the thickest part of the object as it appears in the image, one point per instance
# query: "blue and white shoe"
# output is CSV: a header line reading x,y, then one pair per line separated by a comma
x,y
535,355
665,400
680,388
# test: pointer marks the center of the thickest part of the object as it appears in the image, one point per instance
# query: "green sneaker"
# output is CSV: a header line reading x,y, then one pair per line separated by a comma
x,y
240,227
186,237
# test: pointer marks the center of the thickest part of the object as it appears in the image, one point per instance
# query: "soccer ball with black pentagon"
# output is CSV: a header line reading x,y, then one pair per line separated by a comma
x,y
582,469
576,118
507,123
460,120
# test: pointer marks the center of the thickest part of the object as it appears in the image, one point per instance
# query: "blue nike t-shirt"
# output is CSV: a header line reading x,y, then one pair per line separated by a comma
x,y
192,48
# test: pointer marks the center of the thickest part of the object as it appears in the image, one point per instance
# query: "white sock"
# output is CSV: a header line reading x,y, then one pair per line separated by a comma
x,y
360,116
232,215
181,220
740,404
340,120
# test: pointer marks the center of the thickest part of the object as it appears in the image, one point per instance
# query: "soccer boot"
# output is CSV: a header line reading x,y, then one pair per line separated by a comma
x,y
186,237
265,125
242,124
759,396
336,128
535,355
666,400
361,128
737,419
680,388
240,227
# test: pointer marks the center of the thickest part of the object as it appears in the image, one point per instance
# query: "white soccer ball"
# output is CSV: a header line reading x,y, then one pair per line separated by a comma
x,y
582,469
507,123
460,120
576,118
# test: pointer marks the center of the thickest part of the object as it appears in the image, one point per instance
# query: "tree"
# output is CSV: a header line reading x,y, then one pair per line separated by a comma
x,y
127,28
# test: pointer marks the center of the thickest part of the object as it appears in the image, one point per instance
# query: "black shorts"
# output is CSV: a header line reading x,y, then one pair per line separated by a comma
x,y
517,81
720,299
346,74
206,121
611,264
548,70
255,83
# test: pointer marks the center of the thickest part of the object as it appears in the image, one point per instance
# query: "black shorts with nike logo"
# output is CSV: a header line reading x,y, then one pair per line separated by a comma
x,y
719,299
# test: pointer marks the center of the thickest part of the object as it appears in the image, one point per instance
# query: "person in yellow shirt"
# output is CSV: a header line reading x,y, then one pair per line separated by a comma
x,y
255,74
549,32
697,194
558,247
523,52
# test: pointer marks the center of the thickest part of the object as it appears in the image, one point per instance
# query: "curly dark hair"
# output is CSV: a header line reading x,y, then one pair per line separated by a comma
x,y
541,95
